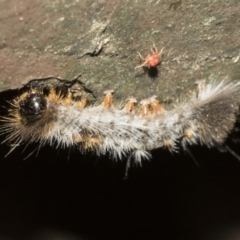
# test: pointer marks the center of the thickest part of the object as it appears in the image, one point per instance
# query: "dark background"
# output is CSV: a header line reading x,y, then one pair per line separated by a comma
x,y
59,194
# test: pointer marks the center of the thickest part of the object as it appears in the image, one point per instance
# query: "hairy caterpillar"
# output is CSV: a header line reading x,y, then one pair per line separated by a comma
x,y
68,117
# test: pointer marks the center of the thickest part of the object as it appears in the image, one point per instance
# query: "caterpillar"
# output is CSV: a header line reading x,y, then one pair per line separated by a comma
x,y
68,116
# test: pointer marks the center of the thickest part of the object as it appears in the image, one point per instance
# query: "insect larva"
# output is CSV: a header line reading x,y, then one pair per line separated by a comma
x,y
51,116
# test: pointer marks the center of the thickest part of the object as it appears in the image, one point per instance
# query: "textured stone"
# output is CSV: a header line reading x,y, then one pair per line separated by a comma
x,y
100,39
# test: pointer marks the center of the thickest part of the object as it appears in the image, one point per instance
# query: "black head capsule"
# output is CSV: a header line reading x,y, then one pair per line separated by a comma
x,y
32,107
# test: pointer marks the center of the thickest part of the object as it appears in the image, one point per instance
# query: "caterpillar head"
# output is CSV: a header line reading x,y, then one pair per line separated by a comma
x,y
32,107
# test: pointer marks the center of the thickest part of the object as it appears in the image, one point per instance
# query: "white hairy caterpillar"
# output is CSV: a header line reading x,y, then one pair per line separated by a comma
x,y
63,118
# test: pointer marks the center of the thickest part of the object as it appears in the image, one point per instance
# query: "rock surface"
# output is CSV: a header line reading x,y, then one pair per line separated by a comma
x,y
100,40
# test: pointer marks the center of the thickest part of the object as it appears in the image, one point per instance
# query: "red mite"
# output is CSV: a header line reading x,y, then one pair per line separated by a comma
x,y
152,60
